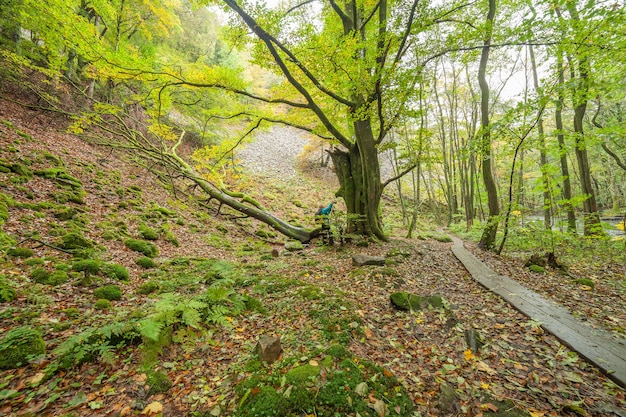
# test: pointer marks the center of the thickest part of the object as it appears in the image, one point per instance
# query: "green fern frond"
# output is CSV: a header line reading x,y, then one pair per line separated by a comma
x,y
150,329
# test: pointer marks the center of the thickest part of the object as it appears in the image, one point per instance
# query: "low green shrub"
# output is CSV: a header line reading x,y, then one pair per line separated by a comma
x,y
109,292
19,346
147,248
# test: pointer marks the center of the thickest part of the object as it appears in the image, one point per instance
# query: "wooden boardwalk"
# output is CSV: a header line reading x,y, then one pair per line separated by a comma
x,y
597,346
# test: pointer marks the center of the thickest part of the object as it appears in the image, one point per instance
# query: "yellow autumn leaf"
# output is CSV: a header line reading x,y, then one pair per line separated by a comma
x,y
482,366
536,413
484,385
313,362
469,355
154,407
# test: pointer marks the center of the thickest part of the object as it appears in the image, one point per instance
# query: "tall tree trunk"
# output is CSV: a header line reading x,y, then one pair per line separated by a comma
x,y
558,122
547,218
580,94
488,238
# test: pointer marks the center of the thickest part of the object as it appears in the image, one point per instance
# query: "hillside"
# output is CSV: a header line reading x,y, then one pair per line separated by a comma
x,y
180,339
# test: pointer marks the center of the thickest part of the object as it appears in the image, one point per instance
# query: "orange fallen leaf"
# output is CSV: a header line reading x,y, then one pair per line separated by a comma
x,y
387,373
469,355
368,333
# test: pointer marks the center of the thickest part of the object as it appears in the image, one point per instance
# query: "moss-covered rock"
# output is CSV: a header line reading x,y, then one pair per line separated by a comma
x,y
58,277
585,281
145,262
267,402
19,346
407,301
115,271
301,374
88,266
147,248
537,268
74,240
20,252
148,233
109,292
103,304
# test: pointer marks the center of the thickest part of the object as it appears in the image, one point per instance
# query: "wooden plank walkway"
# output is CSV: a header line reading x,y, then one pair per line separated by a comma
x,y
597,346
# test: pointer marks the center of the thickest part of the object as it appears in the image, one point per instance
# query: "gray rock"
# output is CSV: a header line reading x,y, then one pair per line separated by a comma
x,y
361,260
268,348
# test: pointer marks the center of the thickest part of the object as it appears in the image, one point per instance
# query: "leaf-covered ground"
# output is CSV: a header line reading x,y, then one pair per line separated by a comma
x,y
312,299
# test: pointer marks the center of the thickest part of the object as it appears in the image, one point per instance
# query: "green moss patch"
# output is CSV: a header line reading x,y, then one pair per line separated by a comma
x,y
406,301
537,268
74,240
7,292
19,346
115,271
20,252
145,262
103,304
109,292
147,248
147,233
158,383
585,281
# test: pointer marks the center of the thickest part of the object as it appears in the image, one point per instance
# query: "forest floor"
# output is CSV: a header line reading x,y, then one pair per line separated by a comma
x,y
312,299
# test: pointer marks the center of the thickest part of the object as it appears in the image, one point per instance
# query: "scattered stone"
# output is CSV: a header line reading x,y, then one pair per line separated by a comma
x,y
268,348
275,253
448,402
361,260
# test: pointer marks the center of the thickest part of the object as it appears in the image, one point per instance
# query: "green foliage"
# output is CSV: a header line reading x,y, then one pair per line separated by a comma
x,y
149,249
20,252
7,292
115,271
19,346
145,262
109,292
102,304
158,383
97,343
148,288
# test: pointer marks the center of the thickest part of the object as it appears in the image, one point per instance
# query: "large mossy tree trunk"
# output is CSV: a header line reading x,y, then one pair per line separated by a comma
x,y
358,171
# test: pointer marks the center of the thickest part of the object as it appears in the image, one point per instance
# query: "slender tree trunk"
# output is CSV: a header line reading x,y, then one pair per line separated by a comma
x,y
488,238
580,92
547,218
558,122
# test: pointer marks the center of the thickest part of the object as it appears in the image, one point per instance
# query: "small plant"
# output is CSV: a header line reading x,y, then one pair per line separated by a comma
x,y
147,248
18,347
145,262
40,275
115,271
102,304
147,288
158,383
7,293
20,252
109,292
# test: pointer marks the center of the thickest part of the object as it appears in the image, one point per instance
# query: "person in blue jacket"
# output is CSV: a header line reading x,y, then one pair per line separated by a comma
x,y
322,216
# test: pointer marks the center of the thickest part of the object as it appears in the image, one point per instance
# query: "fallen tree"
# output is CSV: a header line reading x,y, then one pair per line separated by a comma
x,y
115,129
